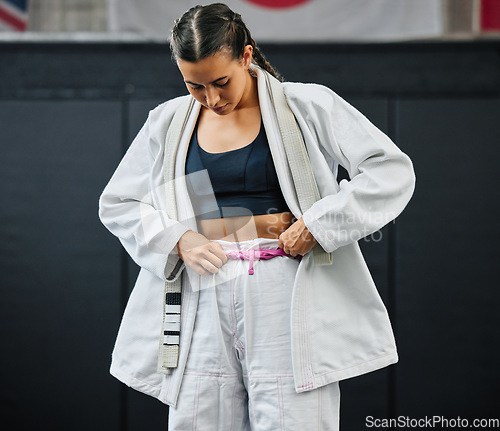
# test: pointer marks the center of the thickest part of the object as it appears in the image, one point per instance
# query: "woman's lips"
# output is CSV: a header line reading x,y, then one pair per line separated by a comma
x,y
219,110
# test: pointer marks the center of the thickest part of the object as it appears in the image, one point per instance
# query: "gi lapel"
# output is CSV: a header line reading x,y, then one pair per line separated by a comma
x,y
169,340
301,175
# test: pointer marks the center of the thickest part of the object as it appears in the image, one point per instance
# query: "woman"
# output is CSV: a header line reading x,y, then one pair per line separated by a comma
x,y
266,332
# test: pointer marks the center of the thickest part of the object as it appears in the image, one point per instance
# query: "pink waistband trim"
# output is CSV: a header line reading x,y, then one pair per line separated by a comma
x,y
252,255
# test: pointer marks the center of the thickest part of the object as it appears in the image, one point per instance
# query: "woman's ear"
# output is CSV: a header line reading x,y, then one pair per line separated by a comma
x,y
247,56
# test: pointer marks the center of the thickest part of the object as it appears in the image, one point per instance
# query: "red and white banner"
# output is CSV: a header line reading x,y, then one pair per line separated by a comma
x,y
295,20
490,15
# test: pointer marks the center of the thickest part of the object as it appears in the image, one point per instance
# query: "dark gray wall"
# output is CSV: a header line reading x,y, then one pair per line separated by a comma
x,y
69,111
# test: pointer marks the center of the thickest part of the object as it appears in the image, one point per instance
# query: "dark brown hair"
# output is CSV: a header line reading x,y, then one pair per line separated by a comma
x,y
205,30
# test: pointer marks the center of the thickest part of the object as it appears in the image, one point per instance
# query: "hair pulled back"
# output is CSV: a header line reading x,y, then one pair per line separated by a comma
x,y
205,30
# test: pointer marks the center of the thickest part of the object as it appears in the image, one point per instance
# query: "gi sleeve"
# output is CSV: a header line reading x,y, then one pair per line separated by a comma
x,y
132,206
382,178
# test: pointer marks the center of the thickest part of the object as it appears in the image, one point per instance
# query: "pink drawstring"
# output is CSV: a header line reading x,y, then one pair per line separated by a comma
x,y
250,266
253,255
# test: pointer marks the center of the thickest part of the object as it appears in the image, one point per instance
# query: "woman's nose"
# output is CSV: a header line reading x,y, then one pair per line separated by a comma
x,y
212,97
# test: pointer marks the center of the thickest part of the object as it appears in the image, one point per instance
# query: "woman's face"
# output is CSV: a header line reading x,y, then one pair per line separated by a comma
x,y
219,82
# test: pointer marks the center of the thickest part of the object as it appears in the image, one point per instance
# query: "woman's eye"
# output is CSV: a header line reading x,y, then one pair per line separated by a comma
x,y
222,85
196,87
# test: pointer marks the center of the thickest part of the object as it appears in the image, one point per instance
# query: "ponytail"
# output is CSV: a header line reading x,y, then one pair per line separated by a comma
x,y
259,59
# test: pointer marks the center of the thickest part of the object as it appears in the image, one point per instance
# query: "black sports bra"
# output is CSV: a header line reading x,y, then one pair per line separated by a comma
x,y
244,180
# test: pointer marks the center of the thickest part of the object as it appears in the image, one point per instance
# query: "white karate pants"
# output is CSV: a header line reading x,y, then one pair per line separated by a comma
x,y
238,374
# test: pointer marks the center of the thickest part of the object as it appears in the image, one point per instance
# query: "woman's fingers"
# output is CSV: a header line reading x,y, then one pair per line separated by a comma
x,y
217,250
203,265
210,261
296,240
209,266
204,256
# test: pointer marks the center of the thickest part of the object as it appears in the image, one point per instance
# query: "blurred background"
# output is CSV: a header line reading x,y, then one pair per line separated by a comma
x,y
77,79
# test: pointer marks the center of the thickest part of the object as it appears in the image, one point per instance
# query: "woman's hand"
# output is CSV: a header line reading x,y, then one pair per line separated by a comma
x,y
201,254
296,239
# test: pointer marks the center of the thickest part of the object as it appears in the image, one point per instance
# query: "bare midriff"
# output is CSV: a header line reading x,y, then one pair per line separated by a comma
x,y
236,229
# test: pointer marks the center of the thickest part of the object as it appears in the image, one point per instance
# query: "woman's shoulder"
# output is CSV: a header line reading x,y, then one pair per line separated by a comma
x,y
160,117
304,97
167,108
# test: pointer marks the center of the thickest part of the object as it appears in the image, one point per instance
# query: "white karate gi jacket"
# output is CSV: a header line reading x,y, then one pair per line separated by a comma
x,y
340,327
